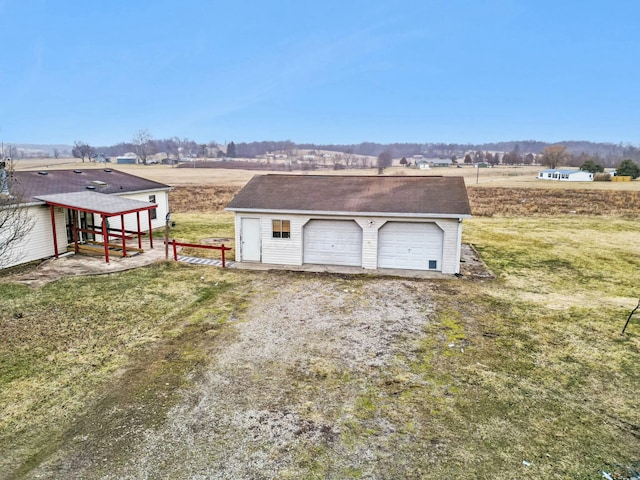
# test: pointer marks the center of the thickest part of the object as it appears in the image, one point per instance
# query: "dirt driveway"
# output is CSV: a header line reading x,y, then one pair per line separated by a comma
x,y
287,395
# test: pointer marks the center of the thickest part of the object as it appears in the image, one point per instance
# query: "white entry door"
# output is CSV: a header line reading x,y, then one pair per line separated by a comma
x,y
333,242
250,239
410,246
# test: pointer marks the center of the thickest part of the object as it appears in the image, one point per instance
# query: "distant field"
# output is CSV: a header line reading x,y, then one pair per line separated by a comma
x,y
485,201
501,176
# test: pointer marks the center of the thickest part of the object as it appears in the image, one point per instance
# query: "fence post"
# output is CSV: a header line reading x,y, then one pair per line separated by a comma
x,y
175,250
223,263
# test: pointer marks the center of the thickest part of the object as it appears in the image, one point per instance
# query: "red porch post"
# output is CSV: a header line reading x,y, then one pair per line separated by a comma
x,y
53,226
138,231
150,230
105,238
124,240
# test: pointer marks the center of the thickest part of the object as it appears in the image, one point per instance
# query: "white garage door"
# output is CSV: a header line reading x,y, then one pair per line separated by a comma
x,y
410,246
333,242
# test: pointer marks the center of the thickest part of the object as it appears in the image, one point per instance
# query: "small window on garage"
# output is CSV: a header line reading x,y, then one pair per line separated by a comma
x,y
154,212
281,228
433,264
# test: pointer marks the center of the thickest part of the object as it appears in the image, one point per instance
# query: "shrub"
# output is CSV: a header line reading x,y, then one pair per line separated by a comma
x,y
628,168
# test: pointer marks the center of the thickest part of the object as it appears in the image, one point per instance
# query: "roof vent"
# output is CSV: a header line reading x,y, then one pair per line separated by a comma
x,y
108,170
77,171
99,182
90,187
43,173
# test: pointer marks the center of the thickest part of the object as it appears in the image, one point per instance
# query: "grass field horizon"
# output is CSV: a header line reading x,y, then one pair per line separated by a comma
x,y
499,176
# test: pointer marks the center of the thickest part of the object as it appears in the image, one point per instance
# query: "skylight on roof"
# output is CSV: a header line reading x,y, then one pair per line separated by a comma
x,y
99,182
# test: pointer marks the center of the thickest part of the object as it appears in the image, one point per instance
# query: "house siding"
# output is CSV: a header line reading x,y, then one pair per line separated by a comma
x,y
39,241
130,219
280,251
450,245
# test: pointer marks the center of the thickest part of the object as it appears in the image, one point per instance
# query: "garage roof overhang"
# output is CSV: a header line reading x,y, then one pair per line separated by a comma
x,y
350,214
94,202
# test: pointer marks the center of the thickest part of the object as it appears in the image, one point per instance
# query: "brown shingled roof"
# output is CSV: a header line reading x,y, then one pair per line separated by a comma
x,y
425,195
29,184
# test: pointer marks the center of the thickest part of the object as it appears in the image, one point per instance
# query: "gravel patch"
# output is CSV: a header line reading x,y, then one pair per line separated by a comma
x,y
278,401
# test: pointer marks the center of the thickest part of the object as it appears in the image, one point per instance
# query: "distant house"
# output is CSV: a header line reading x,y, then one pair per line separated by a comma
x,y
399,222
441,162
79,208
563,175
423,165
126,160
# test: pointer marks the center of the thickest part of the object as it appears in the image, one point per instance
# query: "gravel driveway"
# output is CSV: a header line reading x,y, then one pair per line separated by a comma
x,y
282,399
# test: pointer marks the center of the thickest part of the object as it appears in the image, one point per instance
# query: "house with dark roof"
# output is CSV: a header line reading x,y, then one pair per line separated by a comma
x,y
373,222
79,209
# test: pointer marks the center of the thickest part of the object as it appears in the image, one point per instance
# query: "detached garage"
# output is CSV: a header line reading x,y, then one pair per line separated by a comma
x,y
412,223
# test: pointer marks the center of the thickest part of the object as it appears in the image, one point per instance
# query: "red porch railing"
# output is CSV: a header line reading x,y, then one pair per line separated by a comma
x,y
222,248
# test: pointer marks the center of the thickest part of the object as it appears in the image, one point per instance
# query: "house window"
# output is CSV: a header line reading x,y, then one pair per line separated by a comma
x,y
433,264
154,212
281,228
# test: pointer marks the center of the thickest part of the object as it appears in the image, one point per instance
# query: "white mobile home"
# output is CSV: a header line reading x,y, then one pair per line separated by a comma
x,y
565,175
79,208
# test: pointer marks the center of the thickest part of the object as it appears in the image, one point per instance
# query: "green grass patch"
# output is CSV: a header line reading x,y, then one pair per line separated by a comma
x,y
201,228
67,343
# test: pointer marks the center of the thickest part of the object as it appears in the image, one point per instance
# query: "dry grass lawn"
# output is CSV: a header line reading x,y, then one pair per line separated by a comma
x,y
522,376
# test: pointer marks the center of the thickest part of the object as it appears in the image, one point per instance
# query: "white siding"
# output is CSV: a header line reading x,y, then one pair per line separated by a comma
x,y
282,251
370,228
450,244
130,220
38,243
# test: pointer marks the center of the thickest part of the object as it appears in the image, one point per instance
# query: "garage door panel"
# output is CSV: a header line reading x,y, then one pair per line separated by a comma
x,y
409,246
333,242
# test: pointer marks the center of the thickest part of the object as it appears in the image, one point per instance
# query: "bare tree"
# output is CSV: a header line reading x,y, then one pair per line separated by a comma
x,y
143,144
56,153
83,150
554,155
15,221
384,159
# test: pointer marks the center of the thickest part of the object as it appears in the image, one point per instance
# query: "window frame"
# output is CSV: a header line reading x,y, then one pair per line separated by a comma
x,y
154,212
280,228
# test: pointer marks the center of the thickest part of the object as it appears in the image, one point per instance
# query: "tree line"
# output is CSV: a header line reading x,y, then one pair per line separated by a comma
x,y
511,153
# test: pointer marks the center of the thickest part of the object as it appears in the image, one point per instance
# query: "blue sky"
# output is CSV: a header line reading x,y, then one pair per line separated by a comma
x,y
321,72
